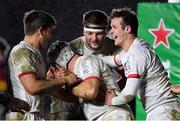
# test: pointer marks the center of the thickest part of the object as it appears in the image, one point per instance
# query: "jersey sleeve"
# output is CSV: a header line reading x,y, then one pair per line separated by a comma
x,y
89,68
24,62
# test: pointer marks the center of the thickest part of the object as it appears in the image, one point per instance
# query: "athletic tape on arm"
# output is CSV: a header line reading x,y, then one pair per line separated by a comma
x,y
128,93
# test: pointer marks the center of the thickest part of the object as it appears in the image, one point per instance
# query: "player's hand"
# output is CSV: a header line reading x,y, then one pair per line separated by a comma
x,y
56,72
66,74
175,89
109,95
59,72
50,73
71,78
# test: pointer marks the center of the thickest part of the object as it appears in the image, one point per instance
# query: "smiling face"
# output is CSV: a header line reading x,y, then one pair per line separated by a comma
x,y
118,30
94,40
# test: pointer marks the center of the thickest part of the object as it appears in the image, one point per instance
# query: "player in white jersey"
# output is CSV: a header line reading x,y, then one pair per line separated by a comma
x,y
94,41
96,77
143,69
27,69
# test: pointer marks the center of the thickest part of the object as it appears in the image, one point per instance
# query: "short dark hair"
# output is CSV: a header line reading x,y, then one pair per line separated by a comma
x,y
129,18
95,17
35,19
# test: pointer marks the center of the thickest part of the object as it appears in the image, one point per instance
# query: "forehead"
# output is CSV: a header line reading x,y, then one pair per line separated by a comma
x,y
92,32
89,33
117,21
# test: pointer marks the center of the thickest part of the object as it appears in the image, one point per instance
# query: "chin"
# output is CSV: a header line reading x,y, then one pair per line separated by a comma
x,y
95,48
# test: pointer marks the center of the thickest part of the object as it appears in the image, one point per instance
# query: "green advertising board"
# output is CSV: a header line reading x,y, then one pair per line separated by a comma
x,y
159,25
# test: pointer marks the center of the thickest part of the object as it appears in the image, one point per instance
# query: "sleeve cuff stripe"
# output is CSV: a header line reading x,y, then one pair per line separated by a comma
x,y
92,77
133,76
26,73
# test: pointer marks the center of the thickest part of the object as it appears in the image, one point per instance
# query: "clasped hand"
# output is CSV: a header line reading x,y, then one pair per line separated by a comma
x,y
57,72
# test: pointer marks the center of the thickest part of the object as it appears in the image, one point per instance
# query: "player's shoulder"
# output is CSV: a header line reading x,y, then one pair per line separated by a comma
x,y
77,40
140,49
94,59
146,47
77,43
91,57
18,49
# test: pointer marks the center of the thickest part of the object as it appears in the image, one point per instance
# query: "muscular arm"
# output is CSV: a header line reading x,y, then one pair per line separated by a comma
x,y
35,87
87,89
62,92
65,95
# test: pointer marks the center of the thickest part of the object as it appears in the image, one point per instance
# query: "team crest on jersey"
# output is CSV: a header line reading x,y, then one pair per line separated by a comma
x,y
86,68
128,64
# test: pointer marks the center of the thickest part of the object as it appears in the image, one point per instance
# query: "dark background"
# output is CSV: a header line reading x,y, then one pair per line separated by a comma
x,y
67,12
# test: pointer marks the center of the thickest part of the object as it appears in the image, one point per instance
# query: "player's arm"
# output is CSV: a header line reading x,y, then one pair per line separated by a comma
x,y
65,95
24,62
134,72
63,92
128,93
112,61
35,86
88,88
55,79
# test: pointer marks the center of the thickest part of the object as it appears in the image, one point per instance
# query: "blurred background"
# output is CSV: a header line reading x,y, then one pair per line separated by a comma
x,y
67,12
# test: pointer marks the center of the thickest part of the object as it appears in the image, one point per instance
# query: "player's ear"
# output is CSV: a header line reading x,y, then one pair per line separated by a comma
x,y
42,31
128,29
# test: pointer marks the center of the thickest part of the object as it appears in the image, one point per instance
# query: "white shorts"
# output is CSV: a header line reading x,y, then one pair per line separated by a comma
x,y
27,116
168,112
116,115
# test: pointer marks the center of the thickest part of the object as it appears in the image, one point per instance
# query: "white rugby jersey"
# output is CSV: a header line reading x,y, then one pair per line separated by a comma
x,y
92,67
80,45
23,60
141,62
107,48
